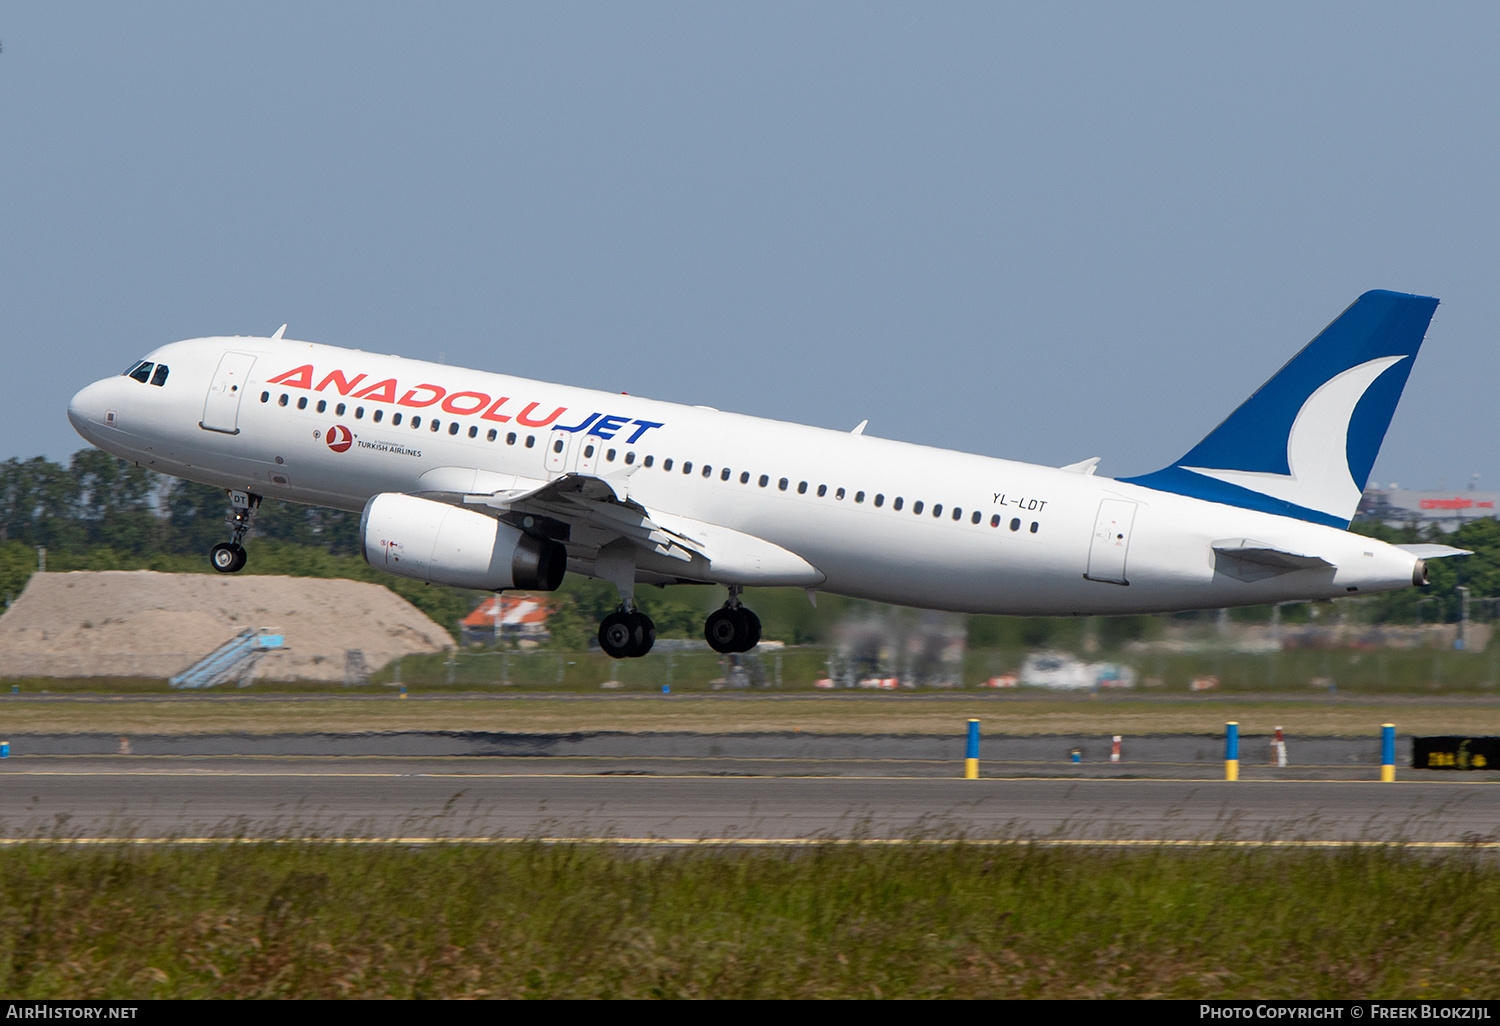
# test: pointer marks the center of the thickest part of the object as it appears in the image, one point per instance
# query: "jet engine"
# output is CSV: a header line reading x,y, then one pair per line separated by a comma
x,y
443,544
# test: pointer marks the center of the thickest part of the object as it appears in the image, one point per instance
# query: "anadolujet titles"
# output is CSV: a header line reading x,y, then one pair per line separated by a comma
x,y
487,481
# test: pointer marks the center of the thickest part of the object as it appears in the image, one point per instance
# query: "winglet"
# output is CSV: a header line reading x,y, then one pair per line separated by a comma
x,y
1302,446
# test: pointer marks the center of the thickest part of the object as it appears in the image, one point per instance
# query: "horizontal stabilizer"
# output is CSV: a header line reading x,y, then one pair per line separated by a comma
x,y
1250,551
1434,551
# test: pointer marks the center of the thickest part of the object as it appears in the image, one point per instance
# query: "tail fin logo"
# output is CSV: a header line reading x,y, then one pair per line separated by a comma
x,y
1316,448
1304,443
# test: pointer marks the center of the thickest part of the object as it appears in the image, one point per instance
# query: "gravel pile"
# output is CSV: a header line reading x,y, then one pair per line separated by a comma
x,y
140,623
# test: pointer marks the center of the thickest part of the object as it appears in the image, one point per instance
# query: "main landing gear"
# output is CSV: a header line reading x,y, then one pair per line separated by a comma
x,y
627,633
229,557
732,628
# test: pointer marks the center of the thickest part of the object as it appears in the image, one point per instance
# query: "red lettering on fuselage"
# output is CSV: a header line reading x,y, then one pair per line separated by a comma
x,y
337,379
380,392
297,377
524,417
493,413
475,401
410,398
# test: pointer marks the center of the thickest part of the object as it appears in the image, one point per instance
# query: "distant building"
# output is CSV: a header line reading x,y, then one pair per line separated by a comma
x,y
507,618
1448,509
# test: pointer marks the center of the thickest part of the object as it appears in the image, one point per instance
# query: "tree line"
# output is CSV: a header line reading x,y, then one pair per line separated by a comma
x,y
99,512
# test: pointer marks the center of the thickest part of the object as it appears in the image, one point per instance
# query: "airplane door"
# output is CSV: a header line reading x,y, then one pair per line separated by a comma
x,y
558,444
221,410
1111,541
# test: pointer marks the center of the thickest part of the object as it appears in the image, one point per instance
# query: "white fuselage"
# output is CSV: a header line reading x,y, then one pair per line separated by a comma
x,y
992,536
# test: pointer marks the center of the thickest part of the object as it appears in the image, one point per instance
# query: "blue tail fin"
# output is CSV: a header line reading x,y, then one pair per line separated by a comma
x,y
1302,446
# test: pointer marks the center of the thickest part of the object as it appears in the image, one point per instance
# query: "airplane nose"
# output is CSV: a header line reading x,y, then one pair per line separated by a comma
x,y
87,409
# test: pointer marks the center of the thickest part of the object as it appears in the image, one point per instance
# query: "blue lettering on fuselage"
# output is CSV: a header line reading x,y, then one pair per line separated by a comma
x,y
608,426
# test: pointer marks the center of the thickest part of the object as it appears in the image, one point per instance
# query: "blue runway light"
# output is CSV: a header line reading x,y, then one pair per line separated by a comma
x,y
971,752
1232,751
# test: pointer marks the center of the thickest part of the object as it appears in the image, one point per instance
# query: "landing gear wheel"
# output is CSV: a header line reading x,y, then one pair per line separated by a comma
x,y
227,557
625,635
752,628
724,631
618,635
645,633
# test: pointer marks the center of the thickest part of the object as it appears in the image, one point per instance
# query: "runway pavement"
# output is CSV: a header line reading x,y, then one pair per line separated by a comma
x,y
93,797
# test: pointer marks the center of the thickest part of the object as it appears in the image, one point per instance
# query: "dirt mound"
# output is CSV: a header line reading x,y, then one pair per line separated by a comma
x,y
140,623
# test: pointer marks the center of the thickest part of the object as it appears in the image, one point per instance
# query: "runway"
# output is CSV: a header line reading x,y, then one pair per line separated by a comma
x,y
447,798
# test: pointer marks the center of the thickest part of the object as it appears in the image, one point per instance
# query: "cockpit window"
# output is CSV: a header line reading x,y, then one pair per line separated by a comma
x,y
160,377
142,371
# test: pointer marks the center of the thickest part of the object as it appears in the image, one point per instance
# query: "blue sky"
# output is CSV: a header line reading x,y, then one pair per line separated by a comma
x,y
1038,231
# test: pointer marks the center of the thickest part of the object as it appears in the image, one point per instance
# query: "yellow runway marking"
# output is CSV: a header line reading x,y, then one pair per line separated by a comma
x,y
756,842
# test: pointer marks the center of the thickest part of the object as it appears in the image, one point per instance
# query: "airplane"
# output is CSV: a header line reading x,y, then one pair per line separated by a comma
x,y
486,481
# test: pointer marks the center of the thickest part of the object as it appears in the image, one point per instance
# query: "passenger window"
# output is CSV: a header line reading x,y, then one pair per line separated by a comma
x,y
609,456
283,400
629,458
822,490
995,520
510,439
488,438
265,397
1034,526
916,507
802,488
473,431
707,470
434,424
744,477
396,420
897,503
160,377
416,422
322,405
378,414
588,450
724,474
359,413
859,496
1015,525
557,446
453,428
782,484
666,464
937,510
142,373
302,403
879,500
530,441
648,461
764,480
976,516
687,468
339,409
958,513
839,494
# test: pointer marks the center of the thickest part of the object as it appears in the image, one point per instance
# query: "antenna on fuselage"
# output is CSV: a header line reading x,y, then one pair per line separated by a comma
x,y
859,428
279,332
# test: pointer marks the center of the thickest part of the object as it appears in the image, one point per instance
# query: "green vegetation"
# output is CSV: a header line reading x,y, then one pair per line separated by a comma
x,y
100,513
556,921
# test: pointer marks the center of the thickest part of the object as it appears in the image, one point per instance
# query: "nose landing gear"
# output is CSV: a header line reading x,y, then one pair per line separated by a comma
x,y
229,557
732,628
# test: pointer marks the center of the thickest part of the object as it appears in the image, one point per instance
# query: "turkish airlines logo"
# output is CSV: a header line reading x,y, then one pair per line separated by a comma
x,y
340,438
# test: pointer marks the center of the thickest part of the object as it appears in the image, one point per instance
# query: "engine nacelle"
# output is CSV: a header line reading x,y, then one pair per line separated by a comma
x,y
443,544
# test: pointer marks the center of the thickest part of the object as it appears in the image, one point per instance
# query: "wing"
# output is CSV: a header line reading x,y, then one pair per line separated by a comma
x,y
588,513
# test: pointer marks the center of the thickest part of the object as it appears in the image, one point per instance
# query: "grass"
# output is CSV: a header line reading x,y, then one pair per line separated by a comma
x,y
711,714
561,921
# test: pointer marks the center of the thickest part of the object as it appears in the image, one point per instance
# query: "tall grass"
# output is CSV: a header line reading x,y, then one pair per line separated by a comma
x,y
534,920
